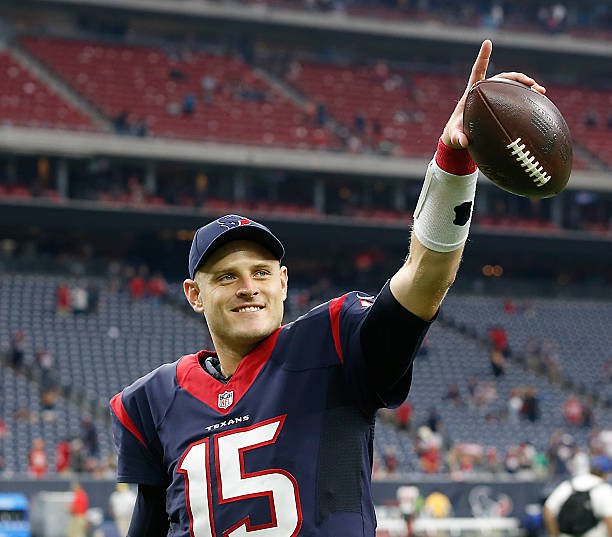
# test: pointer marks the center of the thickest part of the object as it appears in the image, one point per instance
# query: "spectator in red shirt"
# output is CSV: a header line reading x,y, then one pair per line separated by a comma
x,y
157,286
403,416
498,337
37,466
572,411
77,527
137,287
62,457
62,303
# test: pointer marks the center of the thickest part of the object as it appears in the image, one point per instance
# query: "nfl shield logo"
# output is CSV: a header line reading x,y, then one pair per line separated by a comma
x,y
226,399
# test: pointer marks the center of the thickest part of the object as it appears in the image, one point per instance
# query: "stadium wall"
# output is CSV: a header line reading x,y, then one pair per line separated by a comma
x,y
469,499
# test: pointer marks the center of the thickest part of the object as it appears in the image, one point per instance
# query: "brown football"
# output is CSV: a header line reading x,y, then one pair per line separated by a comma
x,y
518,138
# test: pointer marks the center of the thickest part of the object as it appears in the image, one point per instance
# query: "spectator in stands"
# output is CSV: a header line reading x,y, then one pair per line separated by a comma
x,y
157,286
591,119
208,83
472,385
79,299
120,122
484,394
201,190
77,526
527,454
173,108
77,456
4,430
136,192
390,460
560,452
321,114
453,395
89,435
588,417
16,350
359,123
45,363
403,416
498,363
433,420
38,460
499,339
572,411
427,446
174,73
62,456
137,286
189,103
531,406
93,294
121,505
512,460
515,404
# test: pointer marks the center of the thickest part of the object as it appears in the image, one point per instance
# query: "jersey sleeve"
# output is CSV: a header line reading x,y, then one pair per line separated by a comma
x,y
138,448
376,339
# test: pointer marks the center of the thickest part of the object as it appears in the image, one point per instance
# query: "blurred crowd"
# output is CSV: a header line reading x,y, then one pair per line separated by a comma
x,y
536,15
438,453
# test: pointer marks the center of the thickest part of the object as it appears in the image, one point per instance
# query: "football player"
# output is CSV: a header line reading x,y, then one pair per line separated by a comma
x,y
271,434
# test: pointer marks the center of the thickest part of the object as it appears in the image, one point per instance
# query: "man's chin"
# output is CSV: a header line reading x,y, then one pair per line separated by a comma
x,y
255,335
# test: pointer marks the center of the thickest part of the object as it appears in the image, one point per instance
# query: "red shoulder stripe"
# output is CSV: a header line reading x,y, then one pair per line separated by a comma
x,y
119,410
335,307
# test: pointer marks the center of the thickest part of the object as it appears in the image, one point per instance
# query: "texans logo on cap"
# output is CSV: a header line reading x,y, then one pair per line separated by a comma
x,y
233,222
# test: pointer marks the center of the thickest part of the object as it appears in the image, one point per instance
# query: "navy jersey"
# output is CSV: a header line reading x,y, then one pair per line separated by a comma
x,y
284,448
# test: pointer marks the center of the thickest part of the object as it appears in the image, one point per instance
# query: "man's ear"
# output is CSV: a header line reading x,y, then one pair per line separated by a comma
x,y
284,280
192,293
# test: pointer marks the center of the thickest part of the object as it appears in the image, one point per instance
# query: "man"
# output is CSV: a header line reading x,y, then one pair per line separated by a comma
x,y
77,526
121,504
271,435
598,502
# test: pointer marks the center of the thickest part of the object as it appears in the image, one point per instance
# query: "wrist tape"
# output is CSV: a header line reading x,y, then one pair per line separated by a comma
x,y
444,211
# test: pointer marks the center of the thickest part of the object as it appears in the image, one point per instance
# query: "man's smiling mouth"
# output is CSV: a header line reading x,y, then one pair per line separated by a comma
x,y
246,309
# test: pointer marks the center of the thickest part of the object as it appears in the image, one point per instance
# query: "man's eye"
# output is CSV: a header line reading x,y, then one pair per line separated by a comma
x,y
226,278
262,273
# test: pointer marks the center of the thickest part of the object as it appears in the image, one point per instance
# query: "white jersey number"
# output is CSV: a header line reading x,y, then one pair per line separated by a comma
x,y
234,484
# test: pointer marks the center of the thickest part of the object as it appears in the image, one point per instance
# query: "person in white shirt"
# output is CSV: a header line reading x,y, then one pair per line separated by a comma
x,y
121,506
601,501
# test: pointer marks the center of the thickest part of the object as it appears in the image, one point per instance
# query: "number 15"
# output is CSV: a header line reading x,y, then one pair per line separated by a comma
x,y
234,484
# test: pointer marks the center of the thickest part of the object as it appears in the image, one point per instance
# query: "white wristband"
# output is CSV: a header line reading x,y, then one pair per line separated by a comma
x,y
444,211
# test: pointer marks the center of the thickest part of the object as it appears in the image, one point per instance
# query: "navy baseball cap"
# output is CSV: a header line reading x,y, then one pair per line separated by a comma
x,y
230,227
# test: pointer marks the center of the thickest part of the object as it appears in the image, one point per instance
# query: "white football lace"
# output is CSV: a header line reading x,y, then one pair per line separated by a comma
x,y
533,169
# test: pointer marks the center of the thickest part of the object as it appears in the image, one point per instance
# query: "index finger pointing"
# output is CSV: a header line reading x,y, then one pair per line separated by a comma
x,y
479,69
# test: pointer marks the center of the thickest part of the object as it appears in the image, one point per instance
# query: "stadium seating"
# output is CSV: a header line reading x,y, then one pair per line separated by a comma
x,y
594,137
21,413
404,111
150,84
410,108
580,330
28,101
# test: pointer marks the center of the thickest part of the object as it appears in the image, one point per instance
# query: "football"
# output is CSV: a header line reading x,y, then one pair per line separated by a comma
x,y
518,138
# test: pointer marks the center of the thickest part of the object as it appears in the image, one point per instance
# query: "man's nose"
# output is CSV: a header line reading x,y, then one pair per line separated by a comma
x,y
247,288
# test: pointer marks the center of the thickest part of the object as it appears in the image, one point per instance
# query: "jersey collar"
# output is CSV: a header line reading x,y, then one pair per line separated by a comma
x,y
214,393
